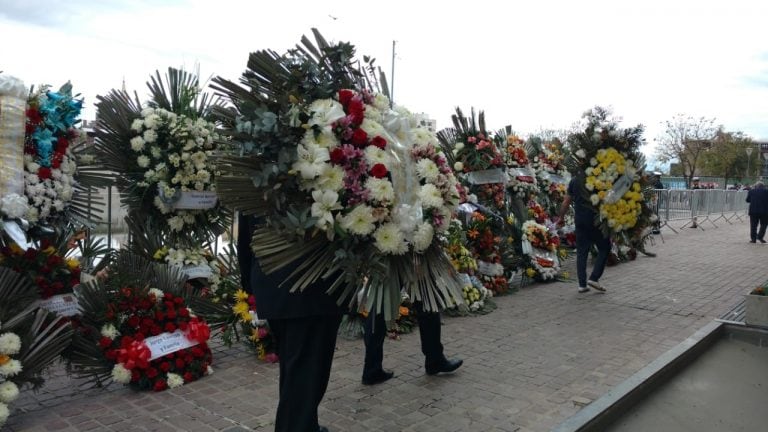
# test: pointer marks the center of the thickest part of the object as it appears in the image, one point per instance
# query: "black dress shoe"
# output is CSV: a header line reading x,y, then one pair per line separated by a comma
x,y
761,240
378,377
751,241
444,366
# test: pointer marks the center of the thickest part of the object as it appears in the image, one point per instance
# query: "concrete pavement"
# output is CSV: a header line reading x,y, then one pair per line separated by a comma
x,y
542,355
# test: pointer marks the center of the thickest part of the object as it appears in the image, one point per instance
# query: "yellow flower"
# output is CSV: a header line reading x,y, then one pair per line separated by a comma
x,y
241,309
254,335
50,250
4,359
565,274
241,295
530,272
160,253
72,263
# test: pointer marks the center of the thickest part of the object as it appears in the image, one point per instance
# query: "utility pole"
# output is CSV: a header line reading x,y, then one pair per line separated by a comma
x,y
392,79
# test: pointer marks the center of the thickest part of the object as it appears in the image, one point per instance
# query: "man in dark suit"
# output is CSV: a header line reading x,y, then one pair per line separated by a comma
x,y
304,325
757,197
375,331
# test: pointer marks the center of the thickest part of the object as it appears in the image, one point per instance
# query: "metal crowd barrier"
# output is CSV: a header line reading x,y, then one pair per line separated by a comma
x,y
694,207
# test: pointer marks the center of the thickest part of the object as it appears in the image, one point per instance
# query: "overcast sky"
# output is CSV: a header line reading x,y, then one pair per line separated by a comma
x,y
531,64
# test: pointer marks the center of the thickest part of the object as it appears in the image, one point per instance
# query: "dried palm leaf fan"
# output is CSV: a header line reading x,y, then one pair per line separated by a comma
x,y
265,121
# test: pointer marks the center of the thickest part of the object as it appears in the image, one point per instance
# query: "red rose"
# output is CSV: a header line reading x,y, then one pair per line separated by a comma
x,y
359,137
183,312
168,296
178,300
379,142
171,314
159,315
156,330
183,326
345,96
337,156
197,351
188,377
135,375
180,363
133,321
61,145
356,111
56,161
126,292
111,355
105,342
151,372
145,304
159,385
165,366
379,170
170,327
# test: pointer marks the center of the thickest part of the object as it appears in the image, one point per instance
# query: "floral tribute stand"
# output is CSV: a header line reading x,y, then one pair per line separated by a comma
x,y
477,159
350,185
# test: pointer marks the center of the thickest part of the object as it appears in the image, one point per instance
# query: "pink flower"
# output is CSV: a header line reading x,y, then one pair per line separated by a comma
x,y
271,358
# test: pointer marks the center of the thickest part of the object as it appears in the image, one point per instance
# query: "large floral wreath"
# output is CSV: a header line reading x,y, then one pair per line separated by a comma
x,y
541,249
522,178
352,189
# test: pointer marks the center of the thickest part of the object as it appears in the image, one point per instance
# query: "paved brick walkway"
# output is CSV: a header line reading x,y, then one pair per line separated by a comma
x,y
545,352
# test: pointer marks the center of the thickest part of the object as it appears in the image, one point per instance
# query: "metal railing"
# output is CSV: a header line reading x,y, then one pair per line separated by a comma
x,y
694,207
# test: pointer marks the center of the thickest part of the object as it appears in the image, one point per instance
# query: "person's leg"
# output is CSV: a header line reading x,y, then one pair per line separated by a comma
x,y
374,333
305,348
753,220
429,332
763,224
583,244
603,244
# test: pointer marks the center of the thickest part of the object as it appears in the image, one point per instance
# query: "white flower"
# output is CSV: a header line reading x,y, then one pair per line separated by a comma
x,y
151,121
595,199
137,144
458,166
427,170
359,221
325,112
459,146
423,237
109,331
593,162
430,196
326,201
422,136
4,413
158,294
14,206
175,380
580,153
331,177
381,102
372,128
176,223
209,371
8,392
156,152
312,158
137,125
325,138
390,240
381,189
10,343
150,136
121,374
143,161
11,368
374,155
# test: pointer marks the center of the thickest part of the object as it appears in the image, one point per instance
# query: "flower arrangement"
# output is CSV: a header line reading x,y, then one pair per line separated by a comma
x,y
354,189
49,163
259,337
50,271
551,173
461,257
541,249
485,241
10,345
196,263
522,179
137,328
476,295
608,162
161,153
13,101
345,160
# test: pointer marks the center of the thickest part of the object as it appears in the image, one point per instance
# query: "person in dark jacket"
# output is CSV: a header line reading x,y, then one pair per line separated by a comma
x,y
757,197
304,325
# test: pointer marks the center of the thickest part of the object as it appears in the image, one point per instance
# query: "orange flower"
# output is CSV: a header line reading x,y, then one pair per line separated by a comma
x,y
478,216
404,311
473,233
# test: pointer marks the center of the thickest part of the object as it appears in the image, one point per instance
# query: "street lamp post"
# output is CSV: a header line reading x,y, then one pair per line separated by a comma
x,y
749,158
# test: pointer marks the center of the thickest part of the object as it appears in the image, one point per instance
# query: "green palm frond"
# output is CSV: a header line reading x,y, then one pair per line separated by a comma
x,y
16,294
46,338
180,93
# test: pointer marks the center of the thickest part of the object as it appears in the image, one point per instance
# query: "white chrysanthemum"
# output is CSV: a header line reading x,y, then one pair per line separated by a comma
x,y
14,206
458,166
4,413
423,237
158,294
325,138
375,155
359,221
121,374
381,189
151,121
331,177
176,223
10,343
390,240
422,136
372,128
11,368
8,392
137,125
427,170
137,144
373,114
175,380
150,136
326,201
143,161
380,102
430,196
580,153
325,112
156,152
594,199
312,158
109,330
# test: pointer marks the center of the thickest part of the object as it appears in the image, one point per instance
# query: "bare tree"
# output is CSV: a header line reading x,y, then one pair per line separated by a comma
x,y
685,139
